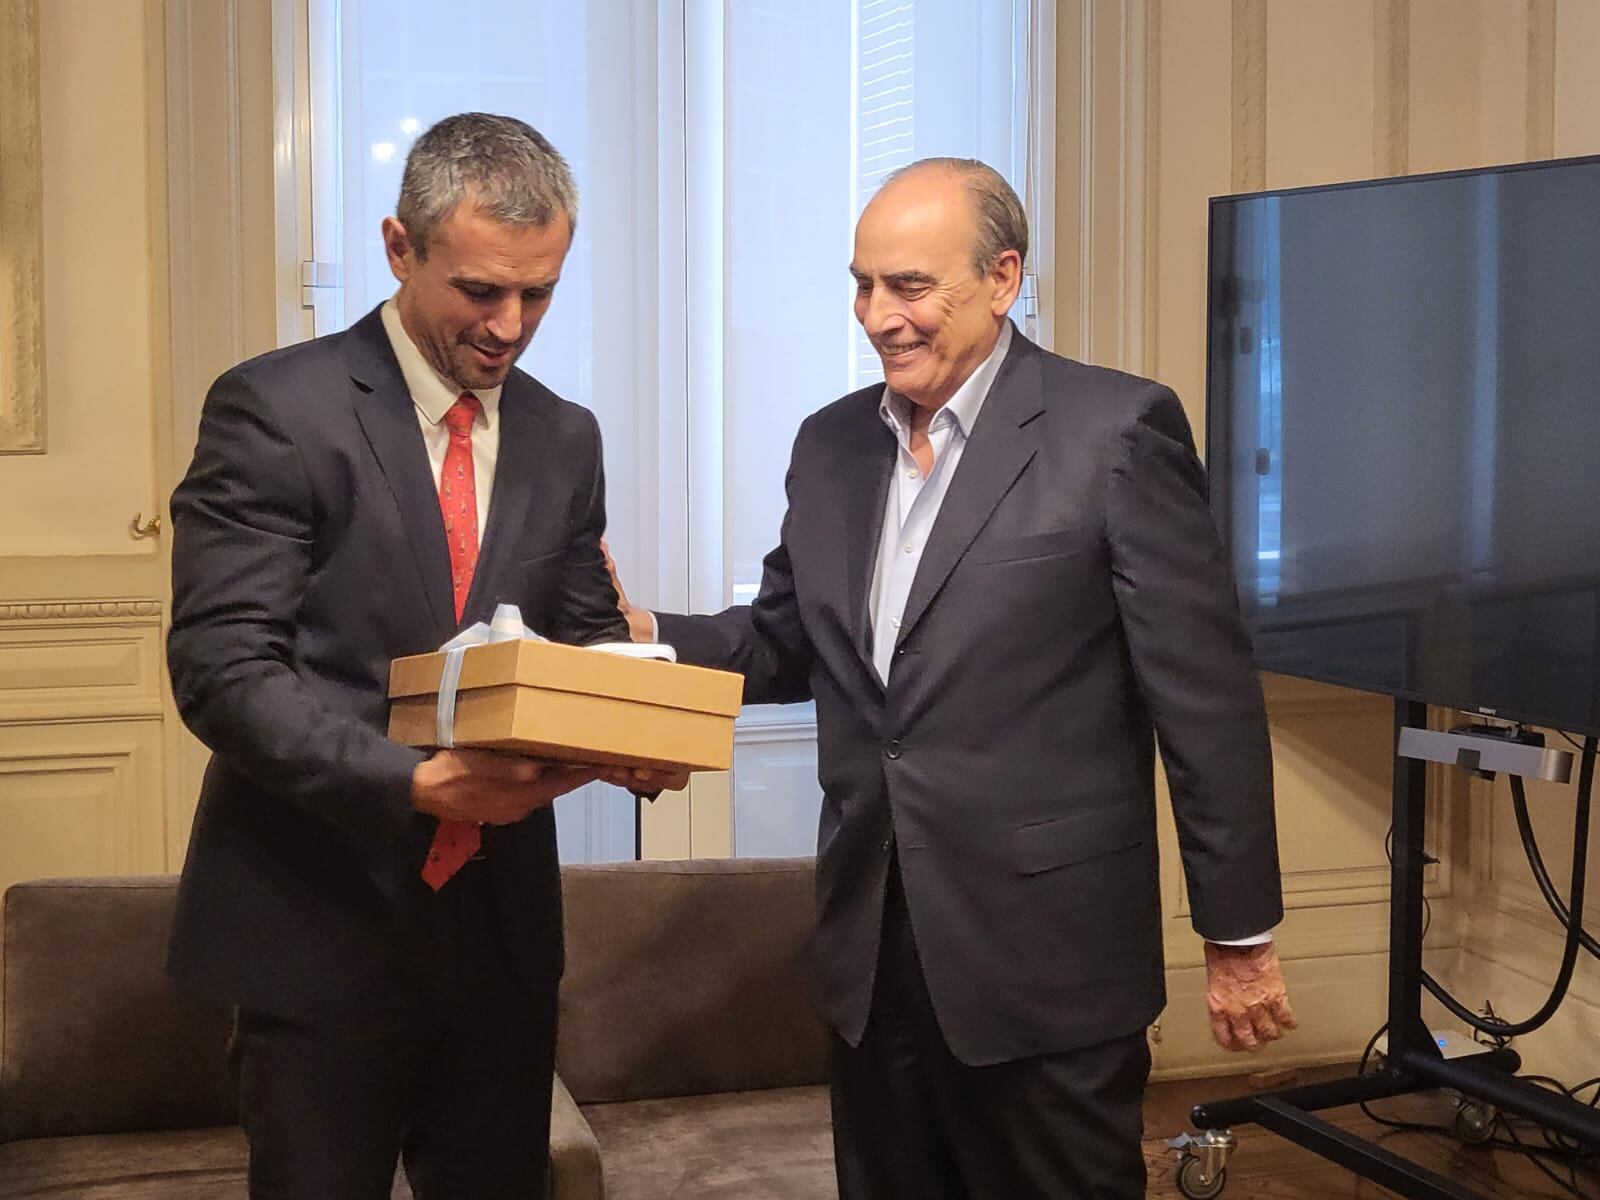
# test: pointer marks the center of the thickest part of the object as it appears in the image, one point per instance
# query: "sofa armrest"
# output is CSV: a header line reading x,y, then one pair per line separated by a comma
x,y
574,1152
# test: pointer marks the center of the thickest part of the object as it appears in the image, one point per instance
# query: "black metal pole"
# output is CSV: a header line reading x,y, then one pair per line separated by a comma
x,y
1365,1158
1407,1034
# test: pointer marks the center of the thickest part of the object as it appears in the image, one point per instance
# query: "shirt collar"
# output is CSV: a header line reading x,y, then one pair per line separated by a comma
x,y
964,406
431,392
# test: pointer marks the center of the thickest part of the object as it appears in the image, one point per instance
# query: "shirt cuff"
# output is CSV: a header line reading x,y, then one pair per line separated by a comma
x,y
1259,939
655,633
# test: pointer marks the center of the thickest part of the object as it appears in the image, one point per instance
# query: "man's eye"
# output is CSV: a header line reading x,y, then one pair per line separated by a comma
x,y
914,293
478,293
537,294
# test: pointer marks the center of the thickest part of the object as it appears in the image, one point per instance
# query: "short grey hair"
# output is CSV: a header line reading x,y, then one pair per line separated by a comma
x,y
1001,219
506,167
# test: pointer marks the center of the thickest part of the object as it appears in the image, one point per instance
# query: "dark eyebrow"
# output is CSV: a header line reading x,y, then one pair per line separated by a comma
x,y
472,281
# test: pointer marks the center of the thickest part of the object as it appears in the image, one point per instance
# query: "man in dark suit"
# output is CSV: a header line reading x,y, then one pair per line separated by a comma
x,y
388,922
998,578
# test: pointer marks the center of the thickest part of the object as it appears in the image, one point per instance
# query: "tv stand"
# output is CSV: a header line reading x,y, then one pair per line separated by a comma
x,y
1413,1061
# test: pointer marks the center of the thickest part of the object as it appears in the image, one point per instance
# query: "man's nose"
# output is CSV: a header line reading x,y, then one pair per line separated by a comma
x,y
505,323
882,312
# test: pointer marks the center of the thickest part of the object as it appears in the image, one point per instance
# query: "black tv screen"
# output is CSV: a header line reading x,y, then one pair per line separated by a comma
x,y
1403,434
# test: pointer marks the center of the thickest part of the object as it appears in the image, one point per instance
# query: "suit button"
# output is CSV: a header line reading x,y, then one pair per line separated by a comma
x,y
893,749
885,845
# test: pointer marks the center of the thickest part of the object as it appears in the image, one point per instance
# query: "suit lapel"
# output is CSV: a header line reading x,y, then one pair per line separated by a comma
x,y
866,467
996,453
525,487
389,421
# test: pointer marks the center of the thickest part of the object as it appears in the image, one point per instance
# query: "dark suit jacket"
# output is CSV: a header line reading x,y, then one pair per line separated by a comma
x,y
1072,600
309,551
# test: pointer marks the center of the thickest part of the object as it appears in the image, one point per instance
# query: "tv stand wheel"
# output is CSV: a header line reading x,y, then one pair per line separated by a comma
x,y
1474,1122
1195,1182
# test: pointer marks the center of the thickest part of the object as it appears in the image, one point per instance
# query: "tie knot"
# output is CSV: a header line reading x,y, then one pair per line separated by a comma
x,y
460,415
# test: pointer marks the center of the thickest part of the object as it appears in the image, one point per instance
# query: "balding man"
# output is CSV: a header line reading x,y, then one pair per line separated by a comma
x,y
1000,581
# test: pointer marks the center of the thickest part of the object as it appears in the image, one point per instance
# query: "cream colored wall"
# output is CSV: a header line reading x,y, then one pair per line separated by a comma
x,y
100,306
154,114
84,731
1163,104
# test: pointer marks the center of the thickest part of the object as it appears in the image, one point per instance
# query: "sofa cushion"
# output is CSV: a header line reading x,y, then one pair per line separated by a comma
x,y
764,1145
686,978
95,1039
209,1164
197,1164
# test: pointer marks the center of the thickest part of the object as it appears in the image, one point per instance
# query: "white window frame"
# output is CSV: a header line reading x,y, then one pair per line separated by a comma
x,y
691,559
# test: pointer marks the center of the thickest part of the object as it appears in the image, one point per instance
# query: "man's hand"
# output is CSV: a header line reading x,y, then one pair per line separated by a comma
x,y
646,781
1245,992
641,627
489,787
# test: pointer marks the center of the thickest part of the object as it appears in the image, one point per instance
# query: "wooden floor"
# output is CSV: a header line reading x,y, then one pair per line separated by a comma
x,y
1265,1167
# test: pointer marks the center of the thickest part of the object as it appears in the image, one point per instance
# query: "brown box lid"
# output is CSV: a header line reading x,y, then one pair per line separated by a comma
x,y
554,666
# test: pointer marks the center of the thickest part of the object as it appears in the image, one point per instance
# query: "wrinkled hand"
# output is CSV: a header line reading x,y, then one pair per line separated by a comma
x,y
646,780
489,787
641,628
1245,992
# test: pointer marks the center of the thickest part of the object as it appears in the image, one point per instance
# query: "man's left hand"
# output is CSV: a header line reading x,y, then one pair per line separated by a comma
x,y
1245,992
645,780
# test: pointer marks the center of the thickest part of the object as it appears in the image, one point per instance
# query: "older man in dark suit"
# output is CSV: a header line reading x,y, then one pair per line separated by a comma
x,y
1000,581
388,922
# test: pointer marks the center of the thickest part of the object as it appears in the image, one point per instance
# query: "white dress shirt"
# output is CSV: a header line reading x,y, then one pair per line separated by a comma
x,y
432,395
914,501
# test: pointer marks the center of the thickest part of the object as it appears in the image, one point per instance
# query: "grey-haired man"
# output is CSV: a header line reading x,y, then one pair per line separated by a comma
x,y
386,922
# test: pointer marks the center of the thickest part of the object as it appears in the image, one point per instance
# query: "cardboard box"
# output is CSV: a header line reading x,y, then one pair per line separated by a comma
x,y
565,702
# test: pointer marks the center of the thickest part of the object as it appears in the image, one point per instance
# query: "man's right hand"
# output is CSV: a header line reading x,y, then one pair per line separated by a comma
x,y
489,787
641,625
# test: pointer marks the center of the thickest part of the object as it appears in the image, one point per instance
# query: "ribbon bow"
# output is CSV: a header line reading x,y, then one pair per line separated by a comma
x,y
505,626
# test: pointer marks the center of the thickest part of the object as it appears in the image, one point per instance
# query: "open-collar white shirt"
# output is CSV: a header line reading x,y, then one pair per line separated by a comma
x,y
914,501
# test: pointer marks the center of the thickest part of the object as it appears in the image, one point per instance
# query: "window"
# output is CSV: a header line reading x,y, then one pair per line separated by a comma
x,y
723,153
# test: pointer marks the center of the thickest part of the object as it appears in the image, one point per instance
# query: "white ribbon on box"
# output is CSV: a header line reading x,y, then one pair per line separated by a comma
x,y
506,626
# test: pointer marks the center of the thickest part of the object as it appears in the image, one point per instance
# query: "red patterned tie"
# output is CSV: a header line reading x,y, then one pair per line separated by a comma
x,y
454,842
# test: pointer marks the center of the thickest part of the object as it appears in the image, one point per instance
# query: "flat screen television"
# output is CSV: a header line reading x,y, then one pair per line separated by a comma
x,y
1403,434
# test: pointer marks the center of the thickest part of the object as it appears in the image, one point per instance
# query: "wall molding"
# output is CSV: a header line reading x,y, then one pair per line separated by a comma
x,y
22,407
1249,95
139,611
1135,348
1391,77
1147,284
95,794
1541,79
80,660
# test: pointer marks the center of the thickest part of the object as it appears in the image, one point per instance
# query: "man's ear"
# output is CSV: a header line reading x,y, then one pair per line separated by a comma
x,y
1006,275
397,248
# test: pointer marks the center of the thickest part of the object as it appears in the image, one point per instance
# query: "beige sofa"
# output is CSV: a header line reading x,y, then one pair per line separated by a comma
x,y
690,1062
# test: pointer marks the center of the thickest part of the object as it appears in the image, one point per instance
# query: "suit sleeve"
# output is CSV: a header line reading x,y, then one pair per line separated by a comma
x,y
764,641
243,548
588,611
1193,663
